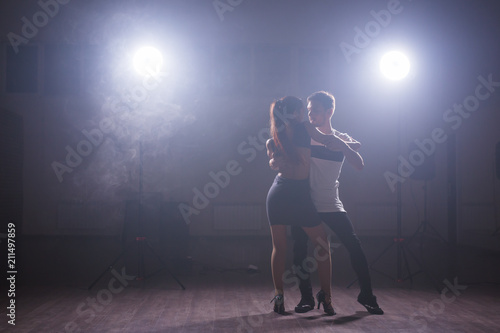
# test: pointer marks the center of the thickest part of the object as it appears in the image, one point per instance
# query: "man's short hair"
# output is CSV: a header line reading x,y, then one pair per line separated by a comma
x,y
324,98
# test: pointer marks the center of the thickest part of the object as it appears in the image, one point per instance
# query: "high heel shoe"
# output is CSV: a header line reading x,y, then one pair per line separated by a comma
x,y
279,304
327,304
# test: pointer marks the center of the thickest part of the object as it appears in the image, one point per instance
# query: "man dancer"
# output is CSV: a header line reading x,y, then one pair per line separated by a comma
x,y
325,171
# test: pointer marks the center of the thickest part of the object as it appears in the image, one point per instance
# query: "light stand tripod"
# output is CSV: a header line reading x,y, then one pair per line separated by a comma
x,y
396,66
398,240
422,231
402,250
140,239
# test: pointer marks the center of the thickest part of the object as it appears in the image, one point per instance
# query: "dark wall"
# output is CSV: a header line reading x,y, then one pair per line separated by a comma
x,y
11,170
72,81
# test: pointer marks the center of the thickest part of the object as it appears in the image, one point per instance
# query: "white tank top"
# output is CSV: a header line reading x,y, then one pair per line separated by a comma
x,y
326,166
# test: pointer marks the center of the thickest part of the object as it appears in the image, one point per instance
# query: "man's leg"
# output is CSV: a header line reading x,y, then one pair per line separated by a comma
x,y
341,225
300,239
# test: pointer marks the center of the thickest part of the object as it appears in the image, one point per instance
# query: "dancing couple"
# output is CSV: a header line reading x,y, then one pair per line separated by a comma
x,y
309,156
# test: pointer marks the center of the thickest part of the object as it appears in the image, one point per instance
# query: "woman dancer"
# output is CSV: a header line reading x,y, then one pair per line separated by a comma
x,y
289,201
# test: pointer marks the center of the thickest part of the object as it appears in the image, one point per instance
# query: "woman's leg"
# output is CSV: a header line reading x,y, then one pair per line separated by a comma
x,y
278,256
318,237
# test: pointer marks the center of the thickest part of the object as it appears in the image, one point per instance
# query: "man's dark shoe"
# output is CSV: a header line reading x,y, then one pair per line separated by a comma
x,y
371,305
305,305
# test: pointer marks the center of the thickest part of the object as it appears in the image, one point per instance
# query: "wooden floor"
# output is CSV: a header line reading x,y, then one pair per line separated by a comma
x,y
52,292
238,301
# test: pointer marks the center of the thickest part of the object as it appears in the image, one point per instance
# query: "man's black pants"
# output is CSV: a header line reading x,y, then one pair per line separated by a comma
x,y
340,224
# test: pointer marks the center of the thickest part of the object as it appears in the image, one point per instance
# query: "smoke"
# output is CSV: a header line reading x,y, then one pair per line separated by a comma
x,y
147,119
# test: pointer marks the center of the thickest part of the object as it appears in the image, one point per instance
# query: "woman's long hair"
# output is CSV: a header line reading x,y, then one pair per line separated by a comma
x,y
283,114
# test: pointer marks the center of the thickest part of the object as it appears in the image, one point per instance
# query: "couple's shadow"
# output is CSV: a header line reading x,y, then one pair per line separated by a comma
x,y
254,321
341,320
271,321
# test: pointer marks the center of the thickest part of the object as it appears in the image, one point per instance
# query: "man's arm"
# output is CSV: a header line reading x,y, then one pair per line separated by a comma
x,y
351,150
331,141
352,156
354,144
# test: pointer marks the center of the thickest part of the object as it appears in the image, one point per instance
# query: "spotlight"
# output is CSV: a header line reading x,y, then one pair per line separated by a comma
x,y
148,61
395,65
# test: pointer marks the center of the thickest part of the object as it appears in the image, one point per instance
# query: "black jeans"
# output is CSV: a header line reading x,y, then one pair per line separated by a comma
x,y
340,224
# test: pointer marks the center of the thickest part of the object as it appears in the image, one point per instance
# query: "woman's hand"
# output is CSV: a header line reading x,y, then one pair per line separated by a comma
x,y
274,164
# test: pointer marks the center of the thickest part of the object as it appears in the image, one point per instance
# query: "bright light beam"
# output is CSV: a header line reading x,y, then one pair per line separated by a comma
x,y
148,61
395,65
